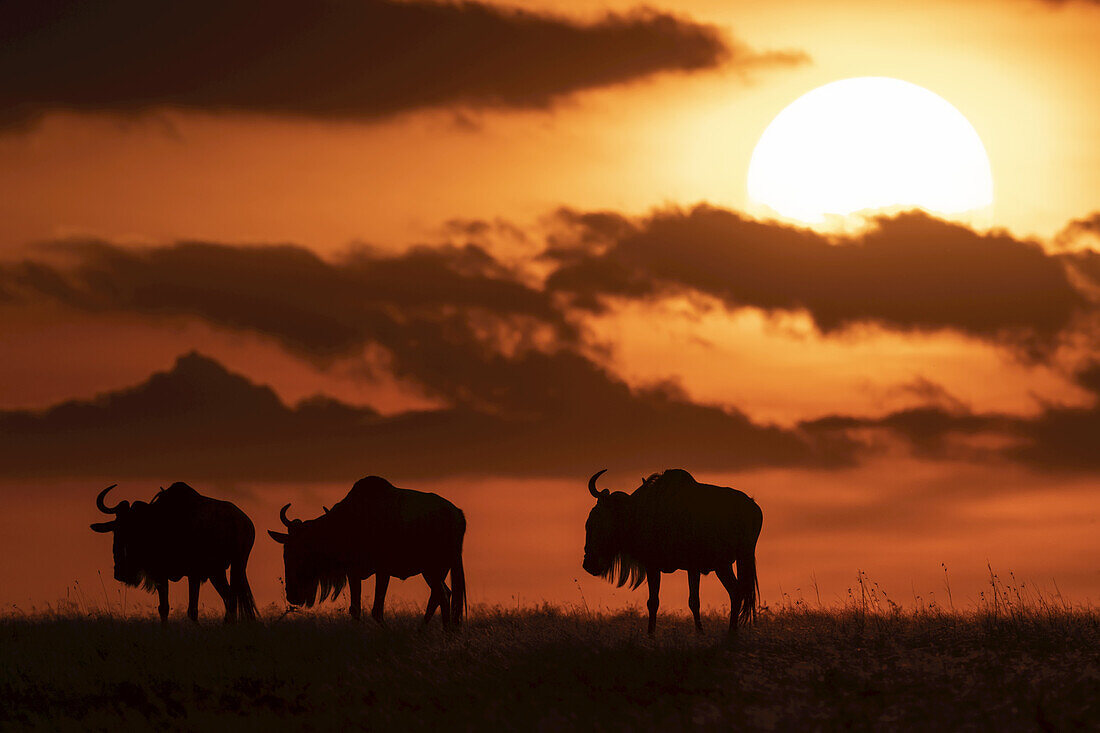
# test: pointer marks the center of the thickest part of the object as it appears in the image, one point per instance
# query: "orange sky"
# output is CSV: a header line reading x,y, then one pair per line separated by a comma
x,y
917,395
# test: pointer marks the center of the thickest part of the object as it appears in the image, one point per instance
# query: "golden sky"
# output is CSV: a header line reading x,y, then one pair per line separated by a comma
x,y
509,245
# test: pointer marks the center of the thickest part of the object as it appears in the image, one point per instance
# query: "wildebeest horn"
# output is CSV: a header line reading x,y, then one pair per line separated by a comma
x,y
325,508
103,507
282,516
592,483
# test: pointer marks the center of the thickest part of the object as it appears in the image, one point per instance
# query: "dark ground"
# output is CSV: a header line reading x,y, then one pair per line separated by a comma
x,y
557,669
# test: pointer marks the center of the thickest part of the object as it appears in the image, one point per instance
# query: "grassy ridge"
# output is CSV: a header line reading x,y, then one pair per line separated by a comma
x,y
551,668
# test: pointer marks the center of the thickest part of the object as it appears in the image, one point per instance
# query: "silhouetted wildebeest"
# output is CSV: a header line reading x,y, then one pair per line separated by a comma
x,y
381,530
672,522
181,533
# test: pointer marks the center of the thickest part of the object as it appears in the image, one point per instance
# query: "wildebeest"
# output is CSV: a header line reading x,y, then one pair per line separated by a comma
x,y
381,530
672,522
181,533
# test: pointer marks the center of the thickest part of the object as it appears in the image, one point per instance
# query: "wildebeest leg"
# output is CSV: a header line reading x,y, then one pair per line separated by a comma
x,y
729,580
162,593
222,586
381,583
429,612
654,577
193,584
355,590
693,597
440,598
434,599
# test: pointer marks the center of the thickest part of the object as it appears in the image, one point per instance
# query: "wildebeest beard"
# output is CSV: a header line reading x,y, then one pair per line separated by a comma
x,y
140,579
135,543
146,582
628,570
325,584
624,565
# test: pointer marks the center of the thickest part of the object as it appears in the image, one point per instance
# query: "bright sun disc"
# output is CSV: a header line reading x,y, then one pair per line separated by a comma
x,y
869,143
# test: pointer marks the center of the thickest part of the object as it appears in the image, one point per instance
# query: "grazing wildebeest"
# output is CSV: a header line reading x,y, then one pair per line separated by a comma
x,y
672,522
380,530
181,533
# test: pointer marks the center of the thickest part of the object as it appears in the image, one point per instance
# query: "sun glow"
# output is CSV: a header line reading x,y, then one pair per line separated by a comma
x,y
869,143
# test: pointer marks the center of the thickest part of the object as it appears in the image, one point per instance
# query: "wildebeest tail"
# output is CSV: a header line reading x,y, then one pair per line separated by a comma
x,y
458,575
458,591
749,587
238,586
238,578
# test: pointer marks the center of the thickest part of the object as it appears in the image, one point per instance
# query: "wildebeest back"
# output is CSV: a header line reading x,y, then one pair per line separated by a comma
x,y
395,531
196,532
684,524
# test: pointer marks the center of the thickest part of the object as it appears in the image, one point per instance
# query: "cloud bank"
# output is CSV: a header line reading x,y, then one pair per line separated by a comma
x,y
201,421
509,358
332,59
1059,439
451,319
906,273
911,272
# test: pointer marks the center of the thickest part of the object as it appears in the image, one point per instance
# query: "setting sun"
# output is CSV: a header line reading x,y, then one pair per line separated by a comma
x,y
869,143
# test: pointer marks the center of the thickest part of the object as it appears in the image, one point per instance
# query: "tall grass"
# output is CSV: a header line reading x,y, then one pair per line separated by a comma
x,y
1018,660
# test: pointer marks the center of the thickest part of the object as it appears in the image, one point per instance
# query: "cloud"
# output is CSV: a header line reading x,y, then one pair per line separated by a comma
x,y
521,395
445,316
198,421
1081,237
911,272
510,363
454,318
316,308
332,59
1087,224
1058,439
1063,438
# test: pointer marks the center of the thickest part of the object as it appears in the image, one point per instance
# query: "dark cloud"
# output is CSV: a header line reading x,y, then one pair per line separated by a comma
x,y
931,393
316,308
1064,438
200,421
451,318
1059,438
929,431
1086,224
910,272
521,396
1079,239
331,59
561,416
455,319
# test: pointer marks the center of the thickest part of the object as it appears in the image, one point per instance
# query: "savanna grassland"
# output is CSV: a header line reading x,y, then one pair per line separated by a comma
x,y
1004,666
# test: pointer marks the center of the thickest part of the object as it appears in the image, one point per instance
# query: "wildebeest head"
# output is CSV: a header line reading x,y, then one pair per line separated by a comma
x,y
603,542
309,562
132,536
